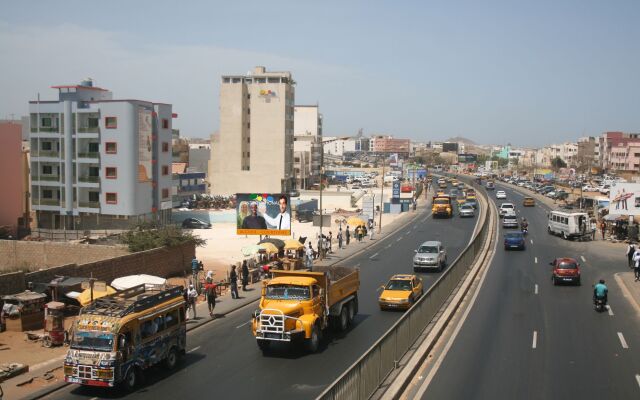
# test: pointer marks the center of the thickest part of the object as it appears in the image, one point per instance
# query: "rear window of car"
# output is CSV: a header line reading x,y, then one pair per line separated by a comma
x,y
567,265
513,236
528,199
506,206
510,217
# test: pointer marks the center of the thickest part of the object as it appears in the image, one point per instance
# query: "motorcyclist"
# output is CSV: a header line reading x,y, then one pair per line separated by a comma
x,y
524,224
600,291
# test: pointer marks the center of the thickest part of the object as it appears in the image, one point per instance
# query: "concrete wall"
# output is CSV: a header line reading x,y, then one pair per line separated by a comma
x,y
164,262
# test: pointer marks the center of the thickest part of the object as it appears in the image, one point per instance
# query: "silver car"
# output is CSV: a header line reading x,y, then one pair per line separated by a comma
x,y
430,255
466,210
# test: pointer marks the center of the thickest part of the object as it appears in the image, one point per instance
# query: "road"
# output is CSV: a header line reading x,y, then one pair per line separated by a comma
x,y
224,359
527,339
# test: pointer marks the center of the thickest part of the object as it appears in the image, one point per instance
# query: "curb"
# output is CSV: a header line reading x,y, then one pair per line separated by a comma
x,y
626,291
55,387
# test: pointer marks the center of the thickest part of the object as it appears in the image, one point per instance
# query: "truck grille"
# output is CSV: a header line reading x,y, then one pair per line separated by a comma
x,y
271,323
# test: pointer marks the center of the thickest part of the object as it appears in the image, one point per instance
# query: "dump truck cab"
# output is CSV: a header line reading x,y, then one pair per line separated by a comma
x,y
441,206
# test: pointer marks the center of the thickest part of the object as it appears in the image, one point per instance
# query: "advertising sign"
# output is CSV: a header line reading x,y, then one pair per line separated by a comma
x,y
396,190
368,205
263,214
624,199
145,130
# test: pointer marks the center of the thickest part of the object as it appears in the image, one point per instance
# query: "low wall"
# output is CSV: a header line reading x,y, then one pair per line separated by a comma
x,y
164,262
29,255
330,199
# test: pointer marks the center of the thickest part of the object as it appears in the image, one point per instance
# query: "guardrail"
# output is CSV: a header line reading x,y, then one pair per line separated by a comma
x,y
361,380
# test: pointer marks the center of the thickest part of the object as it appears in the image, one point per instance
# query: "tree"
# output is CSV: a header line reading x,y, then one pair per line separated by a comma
x,y
149,235
558,163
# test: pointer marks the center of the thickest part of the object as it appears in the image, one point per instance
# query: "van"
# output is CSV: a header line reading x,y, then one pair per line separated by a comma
x,y
568,224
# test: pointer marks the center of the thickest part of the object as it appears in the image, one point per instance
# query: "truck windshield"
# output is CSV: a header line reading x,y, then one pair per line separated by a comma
x,y
441,201
92,341
288,292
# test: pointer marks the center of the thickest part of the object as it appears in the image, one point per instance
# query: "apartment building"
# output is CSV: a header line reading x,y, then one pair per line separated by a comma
x,y
98,162
337,146
253,152
390,145
610,143
307,145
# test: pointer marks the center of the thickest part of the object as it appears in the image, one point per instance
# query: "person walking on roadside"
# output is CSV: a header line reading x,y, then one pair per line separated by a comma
x,y
330,240
245,275
233,279
348,234
192,295
631,250
371,229
636,264
309,258
340,238
210,293
603,228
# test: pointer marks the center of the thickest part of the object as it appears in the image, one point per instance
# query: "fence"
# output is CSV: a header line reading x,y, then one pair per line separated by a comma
x,y
64,235
366,375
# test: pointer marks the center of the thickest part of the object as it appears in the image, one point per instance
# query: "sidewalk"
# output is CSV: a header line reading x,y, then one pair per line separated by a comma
x,y
47,377
630,288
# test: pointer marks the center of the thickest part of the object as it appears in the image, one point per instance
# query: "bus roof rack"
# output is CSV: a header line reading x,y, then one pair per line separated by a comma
x,y
131,300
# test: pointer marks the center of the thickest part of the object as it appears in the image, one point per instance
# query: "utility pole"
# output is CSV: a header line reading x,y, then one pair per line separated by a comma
x,y
381,200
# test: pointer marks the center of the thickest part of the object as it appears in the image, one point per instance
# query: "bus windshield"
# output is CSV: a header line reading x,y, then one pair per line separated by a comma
x,y
100,341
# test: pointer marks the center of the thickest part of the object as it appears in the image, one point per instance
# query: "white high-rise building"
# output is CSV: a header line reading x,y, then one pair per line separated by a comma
x,y
307,145
99,163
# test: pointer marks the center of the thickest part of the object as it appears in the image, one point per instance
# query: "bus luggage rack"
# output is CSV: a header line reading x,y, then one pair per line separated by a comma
x,y
134,299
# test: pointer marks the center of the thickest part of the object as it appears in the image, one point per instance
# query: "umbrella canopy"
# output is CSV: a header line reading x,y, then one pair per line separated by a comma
x,y
291,244
130,281
250,250
279,243
356,221
85,297
269,248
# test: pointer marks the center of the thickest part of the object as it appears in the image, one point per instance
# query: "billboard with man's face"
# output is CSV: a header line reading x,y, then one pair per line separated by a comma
x,y
263,214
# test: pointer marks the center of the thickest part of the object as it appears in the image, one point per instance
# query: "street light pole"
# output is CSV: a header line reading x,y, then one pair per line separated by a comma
x,y
381,200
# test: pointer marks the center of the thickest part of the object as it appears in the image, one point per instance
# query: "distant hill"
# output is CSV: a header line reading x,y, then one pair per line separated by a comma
x,y
461,140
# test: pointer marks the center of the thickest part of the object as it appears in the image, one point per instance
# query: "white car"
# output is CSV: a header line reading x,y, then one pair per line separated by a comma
x,y
589,188
506,208
500,194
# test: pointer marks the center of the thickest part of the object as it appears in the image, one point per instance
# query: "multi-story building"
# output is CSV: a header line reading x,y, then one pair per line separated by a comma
x,y
99,163
307,145
337,146
588,155
14,172
609,141
389,145
253,152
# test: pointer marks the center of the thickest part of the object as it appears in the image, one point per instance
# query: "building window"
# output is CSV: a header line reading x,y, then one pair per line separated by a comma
x,y
46,122
47,194
248,111
47,170
94,197
165,193
248,125
111,122
248,154
111,147
94,172
165,170
111,172
165,123
46,146
165,147
93,122
94,147
112,198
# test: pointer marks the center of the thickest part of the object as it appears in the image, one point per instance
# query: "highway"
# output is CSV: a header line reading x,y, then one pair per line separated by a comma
x,y
224,360
527,339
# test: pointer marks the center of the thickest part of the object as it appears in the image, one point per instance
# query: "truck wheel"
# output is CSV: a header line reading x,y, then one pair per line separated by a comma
x,y
263,345
313,343
352,311
344,318
172,359
130,379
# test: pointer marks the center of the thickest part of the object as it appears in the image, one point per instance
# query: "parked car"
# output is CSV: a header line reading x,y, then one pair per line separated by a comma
x,y
514,240
565,270
589,188
195,223
430,255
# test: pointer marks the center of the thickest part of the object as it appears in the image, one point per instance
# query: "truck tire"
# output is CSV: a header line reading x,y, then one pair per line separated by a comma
x,y
130,379
343,322
313,343
172,359
352,310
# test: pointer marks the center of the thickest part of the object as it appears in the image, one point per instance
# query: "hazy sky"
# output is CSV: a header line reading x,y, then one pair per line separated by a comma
x,y
525,72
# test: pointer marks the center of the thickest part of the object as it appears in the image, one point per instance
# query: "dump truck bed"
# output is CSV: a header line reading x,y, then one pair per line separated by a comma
x,y
337,282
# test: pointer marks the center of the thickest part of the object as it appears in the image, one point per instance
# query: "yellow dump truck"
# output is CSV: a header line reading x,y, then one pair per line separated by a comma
x,y
297,306
441,206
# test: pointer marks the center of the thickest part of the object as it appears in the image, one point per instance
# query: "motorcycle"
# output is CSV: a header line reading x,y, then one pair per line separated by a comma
x,y
599,304
525,231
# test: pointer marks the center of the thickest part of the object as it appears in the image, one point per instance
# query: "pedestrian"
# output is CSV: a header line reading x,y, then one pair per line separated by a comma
x,y
210,293
603,228
309,258
245,275
348,234
320,247
636,264
233,279
330,240
192,295
631,249
340,238
370,229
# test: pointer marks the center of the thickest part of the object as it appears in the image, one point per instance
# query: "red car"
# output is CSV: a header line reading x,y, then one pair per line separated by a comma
x,y
565,269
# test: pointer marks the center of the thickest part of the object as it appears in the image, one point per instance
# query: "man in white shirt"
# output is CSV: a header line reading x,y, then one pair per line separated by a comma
x,y
282,221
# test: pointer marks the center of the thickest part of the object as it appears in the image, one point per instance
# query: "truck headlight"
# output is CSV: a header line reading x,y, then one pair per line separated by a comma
x,y
299,325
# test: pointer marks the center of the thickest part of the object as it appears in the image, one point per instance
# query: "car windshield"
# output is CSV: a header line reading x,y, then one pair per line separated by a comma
x,y
83,340
398,285
466,207
288,292
567,265
428,249
441,201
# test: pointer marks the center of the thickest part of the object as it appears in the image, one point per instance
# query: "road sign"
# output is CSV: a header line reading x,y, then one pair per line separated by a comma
x,y
396,189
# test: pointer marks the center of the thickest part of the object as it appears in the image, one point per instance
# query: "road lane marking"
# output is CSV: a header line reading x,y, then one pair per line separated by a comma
x,y
531,240
194,349
399,239
240,326
638,379
425,220
408,232
415,227
609,310
583,259
535,340
622,341
536,259
387,246
536,289
374,256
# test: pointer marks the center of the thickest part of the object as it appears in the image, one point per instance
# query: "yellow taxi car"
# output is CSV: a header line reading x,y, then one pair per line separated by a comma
x,y
400,292
529,202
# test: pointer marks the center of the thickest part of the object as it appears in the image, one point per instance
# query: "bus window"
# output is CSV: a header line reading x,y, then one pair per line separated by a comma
x,y
171,319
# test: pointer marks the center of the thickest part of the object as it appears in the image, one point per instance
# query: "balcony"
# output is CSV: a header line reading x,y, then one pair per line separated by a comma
x,y
201,188
89,204
89,179
45,129
48,178
89,154
86,129
46,153
46,202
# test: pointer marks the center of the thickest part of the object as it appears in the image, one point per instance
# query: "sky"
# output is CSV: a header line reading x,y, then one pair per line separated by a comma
x,y
528,73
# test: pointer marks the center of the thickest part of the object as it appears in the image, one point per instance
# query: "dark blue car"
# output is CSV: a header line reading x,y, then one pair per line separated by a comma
x,y
514,240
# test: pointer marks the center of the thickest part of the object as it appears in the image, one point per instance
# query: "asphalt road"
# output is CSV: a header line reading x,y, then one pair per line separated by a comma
x,y
224,360
522,341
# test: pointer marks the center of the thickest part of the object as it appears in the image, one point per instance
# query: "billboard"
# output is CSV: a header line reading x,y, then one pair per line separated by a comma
x,y
145,130
624,199
263,214
467,158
